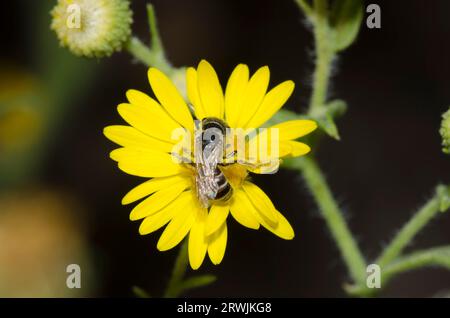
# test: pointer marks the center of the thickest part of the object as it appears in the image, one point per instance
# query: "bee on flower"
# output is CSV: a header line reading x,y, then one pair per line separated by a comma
x,y
194,198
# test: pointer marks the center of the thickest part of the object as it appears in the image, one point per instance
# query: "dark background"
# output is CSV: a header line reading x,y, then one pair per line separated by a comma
x,y
395,80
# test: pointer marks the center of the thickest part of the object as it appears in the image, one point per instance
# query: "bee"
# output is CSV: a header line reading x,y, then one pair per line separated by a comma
x,y
212,186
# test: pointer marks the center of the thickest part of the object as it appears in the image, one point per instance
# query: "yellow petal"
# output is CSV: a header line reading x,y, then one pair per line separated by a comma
x,y
261,201
236,86
272,102
294,129
178,227
296,148
216,217
243,210
149,187
147,164
193,94
158,200
197,240
285,149
127,136
148,118
169,97
260,148
254,95
282,229
269,168
217,244
210,90
156,221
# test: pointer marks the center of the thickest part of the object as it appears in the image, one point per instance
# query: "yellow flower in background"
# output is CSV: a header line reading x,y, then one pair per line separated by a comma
x,y
172,194
21,105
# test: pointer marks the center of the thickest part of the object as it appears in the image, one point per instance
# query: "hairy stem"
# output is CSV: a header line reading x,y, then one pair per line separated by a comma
x,y
144,54
437,256
333,217
179,270
433,257
324,57
409,230
306,8
155,55
156,42
312,174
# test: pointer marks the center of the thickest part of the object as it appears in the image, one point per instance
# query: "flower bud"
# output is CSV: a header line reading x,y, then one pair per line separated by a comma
x,y
445,132
92,28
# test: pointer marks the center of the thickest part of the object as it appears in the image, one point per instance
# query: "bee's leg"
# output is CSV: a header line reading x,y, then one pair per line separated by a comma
x,y
228,156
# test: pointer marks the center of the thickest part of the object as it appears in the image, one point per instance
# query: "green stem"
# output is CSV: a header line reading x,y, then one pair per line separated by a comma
x,y
312,174
144,54
154,56
409,230
179,270
306,8
333,217
438,256
156,42
324,57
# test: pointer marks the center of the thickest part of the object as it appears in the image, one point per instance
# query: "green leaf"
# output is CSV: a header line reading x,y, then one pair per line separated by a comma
x,y
327,116
326,123
336,108
197,281
345,21
140,293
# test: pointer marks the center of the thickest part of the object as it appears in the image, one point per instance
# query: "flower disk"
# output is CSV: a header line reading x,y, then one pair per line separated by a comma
x,y
92,28
171,194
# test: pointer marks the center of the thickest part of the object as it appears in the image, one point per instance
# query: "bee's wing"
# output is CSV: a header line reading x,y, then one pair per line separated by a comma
x,y
212,154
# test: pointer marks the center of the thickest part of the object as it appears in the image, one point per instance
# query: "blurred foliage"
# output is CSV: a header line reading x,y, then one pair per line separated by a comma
x,y
35,100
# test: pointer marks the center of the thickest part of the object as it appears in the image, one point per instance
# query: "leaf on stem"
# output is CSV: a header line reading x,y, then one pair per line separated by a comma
x,y
327,124
326,119
345,21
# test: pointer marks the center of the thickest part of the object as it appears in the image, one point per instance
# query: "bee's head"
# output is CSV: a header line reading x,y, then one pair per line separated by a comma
x,y
213,130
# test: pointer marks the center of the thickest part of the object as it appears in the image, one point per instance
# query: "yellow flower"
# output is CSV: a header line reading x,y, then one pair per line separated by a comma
x,y
171,193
